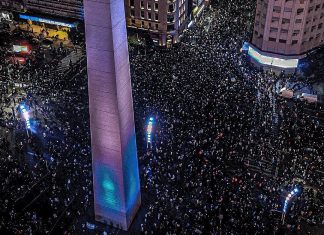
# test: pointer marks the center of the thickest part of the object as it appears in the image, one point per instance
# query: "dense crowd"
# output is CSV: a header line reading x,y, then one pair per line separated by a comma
x,y
216,117
226,149
42,171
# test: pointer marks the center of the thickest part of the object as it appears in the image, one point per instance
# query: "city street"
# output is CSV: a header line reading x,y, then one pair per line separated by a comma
x,y
226,147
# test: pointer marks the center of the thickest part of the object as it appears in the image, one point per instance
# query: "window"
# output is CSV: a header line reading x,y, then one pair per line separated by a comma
x,y
282,41
293,42
296,32
142,14
171,8
156,16
149,16
170,18
287,9
276,9
285,21
156,6
132,12
132,3
149,6
300,11
283,31
298,21
272,39
275,19
273,30
170,27
142,4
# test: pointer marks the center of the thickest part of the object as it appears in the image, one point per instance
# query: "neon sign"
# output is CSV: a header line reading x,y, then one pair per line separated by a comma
x,y
273,61
46,21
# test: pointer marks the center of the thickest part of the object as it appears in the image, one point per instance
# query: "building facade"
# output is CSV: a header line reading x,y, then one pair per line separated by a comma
x,y
62,8
164,19
288,28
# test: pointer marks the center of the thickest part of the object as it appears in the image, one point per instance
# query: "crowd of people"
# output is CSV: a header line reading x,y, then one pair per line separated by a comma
x,y
226,148
46,186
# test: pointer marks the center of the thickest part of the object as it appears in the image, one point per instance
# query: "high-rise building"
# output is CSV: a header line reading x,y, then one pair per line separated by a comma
x,y
61,8
113,141
164,19
287,29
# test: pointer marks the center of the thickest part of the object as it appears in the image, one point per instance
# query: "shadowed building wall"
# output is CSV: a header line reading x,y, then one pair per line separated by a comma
x,y
114,155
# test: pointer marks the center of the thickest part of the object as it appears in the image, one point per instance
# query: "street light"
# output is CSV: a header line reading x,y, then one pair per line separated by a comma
x,y
291,195
149,131
26,116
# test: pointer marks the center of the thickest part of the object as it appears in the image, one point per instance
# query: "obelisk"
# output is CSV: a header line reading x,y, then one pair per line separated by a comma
x,y
113,142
